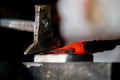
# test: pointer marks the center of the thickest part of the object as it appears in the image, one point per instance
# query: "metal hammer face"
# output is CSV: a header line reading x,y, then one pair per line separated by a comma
x,y
43,34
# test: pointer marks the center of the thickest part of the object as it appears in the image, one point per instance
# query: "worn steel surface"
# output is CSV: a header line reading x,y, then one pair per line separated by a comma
x,y
70,71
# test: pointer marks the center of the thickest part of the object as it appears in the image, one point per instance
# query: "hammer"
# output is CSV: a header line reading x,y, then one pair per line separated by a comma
x,y
43,34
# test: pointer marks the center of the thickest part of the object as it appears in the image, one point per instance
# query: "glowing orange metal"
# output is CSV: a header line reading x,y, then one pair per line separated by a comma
x,y
74,48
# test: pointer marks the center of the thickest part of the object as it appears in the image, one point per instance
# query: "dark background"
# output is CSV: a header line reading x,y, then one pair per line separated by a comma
x,y
13,42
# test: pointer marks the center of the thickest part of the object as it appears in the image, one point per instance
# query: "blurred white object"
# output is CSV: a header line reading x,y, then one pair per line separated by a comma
x,y
75,26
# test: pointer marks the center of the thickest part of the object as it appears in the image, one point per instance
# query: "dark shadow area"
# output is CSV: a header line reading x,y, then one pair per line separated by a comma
x,y
9,71
13,43
79,58
14,71
115,71
25,74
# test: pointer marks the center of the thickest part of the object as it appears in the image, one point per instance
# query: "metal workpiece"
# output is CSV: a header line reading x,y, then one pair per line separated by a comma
x,y
43,34
22,25
62,58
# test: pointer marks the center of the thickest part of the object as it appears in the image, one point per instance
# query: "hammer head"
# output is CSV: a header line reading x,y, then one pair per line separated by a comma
x,y
43,33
